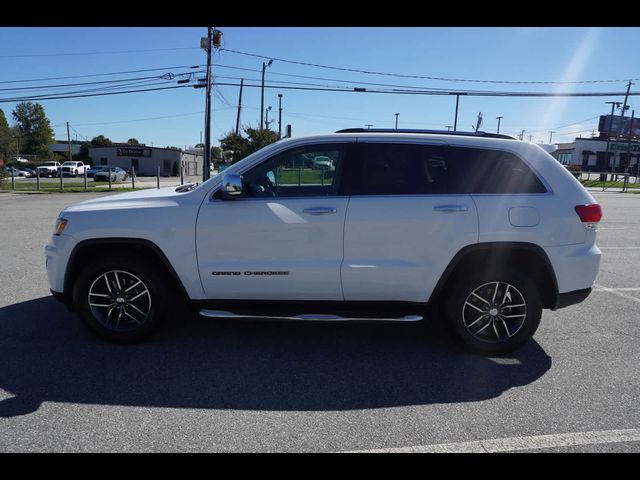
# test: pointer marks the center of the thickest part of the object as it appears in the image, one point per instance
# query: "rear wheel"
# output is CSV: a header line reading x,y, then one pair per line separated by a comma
x,y
494,313
122,299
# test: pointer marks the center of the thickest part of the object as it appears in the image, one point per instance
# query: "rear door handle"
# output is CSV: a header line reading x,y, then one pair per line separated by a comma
x,y
450,208
320,210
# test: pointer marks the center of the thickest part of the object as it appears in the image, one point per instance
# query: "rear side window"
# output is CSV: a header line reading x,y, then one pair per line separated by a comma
x,y
475,170
400,169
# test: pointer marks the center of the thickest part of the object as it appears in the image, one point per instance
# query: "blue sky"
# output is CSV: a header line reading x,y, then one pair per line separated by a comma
x,y
554,54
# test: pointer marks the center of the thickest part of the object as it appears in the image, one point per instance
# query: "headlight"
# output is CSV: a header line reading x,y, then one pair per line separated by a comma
x,y
61,223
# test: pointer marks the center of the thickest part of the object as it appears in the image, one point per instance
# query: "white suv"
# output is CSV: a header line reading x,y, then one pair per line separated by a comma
x,y
481,230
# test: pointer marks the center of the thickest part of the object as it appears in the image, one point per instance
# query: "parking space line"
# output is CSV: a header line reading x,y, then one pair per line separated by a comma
x,y
521,443
616,291
625,289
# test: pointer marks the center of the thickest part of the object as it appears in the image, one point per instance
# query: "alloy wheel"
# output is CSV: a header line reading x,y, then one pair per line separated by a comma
x,y
494,312
119,300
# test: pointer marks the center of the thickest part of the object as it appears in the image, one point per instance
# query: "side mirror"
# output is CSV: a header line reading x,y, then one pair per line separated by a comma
x,y
231,186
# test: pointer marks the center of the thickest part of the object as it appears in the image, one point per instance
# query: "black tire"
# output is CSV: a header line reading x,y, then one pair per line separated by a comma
x,y
494,313
122,323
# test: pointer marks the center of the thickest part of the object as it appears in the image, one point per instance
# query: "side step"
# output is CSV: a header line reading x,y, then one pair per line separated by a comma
x,y
308,317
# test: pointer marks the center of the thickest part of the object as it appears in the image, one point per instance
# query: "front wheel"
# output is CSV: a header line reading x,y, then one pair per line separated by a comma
x,y
122,300
494,313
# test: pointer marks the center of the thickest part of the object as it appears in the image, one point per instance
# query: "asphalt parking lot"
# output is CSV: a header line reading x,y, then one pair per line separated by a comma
x,y
203,385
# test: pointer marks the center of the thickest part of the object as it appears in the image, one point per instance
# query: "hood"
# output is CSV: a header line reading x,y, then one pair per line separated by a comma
x,y
147,198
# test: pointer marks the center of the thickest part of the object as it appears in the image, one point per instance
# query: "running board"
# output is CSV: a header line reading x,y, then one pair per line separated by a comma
x,y
307,317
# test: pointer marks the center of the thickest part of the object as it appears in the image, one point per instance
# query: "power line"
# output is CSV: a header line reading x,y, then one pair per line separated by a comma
x,y
57,97
60,85
175,67
470,93
424,77
112,52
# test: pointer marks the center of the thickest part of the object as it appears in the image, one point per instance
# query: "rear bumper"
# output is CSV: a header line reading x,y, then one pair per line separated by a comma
x,y
571,298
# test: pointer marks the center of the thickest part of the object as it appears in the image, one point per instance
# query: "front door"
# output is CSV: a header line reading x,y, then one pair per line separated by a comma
x,y
283,239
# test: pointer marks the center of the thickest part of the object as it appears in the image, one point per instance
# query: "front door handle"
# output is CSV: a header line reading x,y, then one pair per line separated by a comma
x,y
450,208
320,210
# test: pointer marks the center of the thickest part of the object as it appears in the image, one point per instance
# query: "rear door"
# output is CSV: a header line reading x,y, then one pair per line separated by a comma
x,y
402,227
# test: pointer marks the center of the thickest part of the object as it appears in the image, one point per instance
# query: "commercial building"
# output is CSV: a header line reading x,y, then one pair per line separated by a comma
x,y
589,154
147,160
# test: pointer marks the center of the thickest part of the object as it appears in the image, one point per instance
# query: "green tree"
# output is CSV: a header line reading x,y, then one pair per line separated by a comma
x,y
7,139
133,141
34,129
242,146
216,153
101,141
83,155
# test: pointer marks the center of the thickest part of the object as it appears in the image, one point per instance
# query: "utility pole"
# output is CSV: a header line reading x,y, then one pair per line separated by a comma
x,y
449,127
266,114
368,125
264,67
69,144
397,120
207,109
606,150
239,107
279,116
521,136
479,122
455,121
551,132
213,39
633,114
530,138
499,118
624,109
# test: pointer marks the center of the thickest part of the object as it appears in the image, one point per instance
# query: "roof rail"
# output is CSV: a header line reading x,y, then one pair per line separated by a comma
x,y
433,132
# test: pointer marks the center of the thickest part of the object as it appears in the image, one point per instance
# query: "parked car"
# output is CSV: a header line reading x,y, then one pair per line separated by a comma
x,y
95,169
73,169
29,171
116,174
16,172
478,230
50,168
322,162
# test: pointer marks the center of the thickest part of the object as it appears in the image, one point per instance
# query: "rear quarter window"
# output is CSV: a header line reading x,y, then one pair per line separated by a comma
x,y
476,170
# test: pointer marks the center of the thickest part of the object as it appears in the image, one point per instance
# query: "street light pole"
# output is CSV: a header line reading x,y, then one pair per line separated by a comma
x,y
551,132
264,67
279,116
397,120
499,118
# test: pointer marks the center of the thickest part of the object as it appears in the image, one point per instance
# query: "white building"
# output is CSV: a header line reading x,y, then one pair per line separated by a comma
x,y
146,160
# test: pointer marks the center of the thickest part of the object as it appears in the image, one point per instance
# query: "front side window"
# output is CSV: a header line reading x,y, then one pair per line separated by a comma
x,y
300,172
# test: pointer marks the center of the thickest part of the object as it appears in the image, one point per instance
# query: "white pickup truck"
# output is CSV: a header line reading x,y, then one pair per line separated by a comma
x,y
49,169
73,168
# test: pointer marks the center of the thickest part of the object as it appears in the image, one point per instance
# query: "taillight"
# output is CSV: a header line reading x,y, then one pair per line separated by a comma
x,y
589,214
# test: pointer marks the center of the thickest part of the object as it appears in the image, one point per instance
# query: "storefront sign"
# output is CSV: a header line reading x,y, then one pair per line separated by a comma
x,y
133,152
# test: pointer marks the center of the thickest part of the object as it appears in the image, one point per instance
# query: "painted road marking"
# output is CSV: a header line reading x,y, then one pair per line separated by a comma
x,y
616,291
521,443
625,289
